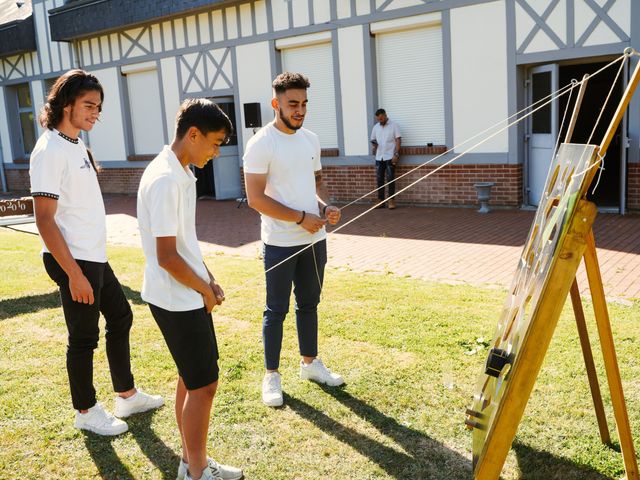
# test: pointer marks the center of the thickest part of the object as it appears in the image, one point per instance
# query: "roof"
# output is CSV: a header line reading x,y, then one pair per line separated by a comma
x,y
17,31
84,18
12,10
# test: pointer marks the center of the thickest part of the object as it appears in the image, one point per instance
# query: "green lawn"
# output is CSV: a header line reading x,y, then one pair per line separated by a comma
x,y
391,338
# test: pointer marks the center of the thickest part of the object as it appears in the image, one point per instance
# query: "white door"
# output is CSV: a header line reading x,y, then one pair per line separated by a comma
x,y
542,128
226,167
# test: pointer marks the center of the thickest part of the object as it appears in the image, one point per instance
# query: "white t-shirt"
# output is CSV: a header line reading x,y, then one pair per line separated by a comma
x,y
60,169
167,208
290,162
386,136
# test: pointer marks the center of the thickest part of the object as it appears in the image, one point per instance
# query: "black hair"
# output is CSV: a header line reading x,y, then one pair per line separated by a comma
x,y
380,111
288,81
203,114
64,92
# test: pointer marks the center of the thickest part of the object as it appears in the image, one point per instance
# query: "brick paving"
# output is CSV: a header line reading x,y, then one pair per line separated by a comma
x,y
455,245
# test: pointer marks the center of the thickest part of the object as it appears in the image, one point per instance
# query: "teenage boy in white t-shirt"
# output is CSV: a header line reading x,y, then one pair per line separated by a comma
x,y
283,178
70,217
180,289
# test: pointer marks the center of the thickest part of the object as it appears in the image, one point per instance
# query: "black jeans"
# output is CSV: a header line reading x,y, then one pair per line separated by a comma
x,y
82,325
385,167
306,272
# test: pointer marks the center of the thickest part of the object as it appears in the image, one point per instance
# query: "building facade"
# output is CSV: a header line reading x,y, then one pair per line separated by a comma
x,y
444,70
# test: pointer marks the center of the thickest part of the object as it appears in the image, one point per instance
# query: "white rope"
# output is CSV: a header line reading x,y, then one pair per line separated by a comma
x,y
557,95
495,125
547,100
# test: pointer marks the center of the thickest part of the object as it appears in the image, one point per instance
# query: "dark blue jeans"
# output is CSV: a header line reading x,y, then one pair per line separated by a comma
x,y
385,167
306,272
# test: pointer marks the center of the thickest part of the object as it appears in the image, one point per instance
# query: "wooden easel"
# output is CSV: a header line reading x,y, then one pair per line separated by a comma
x,y
579,243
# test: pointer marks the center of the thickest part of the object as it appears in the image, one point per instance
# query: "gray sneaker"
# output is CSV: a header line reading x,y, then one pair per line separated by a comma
x,y
225,472
207,474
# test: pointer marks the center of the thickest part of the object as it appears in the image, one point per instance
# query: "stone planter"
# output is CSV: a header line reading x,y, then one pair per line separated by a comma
x,y
484,195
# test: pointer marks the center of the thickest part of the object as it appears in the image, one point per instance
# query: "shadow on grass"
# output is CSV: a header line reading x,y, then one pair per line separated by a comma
x,y
12,307
162,456
539,465
133,295
108,462
105,457
425,458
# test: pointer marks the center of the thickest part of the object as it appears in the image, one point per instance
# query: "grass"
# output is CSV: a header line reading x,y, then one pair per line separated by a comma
x,y
392,338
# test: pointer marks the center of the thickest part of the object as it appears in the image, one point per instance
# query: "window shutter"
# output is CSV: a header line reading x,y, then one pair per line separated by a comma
x,y
410,83
316,62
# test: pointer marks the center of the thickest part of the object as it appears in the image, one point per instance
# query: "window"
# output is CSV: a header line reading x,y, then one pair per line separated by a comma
x,y
24,131
145,108
316,62
410,83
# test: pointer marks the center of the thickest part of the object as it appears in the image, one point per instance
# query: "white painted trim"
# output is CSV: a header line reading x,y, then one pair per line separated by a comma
x,y
406,23
139,67
303,40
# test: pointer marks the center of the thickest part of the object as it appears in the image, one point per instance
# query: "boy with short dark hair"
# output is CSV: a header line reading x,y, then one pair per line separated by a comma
x,y
180,289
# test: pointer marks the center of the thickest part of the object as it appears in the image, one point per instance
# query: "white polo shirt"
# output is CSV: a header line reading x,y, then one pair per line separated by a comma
x,y
167,208
386,136
60,169
290,162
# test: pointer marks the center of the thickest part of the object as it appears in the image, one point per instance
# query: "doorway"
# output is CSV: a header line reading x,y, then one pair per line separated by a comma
x,y
544,125
607,194
220,178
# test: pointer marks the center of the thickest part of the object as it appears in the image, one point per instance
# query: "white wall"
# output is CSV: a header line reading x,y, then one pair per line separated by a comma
x,y
254,83
107,137
479,74
354,95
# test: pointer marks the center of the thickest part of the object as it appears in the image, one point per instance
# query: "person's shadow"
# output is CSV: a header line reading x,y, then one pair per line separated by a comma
x,y
425,458
110,465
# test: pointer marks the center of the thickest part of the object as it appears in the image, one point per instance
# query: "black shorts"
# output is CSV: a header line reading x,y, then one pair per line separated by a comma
x,y
192,343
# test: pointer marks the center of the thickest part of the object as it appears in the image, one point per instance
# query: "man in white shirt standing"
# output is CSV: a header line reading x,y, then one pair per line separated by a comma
x,y
385,141
283,178
180,289
71,219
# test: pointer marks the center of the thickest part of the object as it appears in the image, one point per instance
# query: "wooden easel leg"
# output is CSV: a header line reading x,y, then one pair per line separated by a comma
x,y
610,360
588,361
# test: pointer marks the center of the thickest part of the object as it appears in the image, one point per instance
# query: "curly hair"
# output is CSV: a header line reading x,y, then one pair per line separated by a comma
x,y
64,92
288,81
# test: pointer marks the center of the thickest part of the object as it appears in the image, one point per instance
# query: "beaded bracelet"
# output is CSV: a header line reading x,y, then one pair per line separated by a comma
x,y
302,219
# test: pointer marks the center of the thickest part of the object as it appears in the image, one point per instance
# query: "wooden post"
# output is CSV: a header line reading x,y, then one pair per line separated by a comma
x,y
576,301
610,360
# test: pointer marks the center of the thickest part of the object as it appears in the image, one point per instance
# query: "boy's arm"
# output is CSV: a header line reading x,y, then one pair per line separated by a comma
x,y
45,209
217,289
172,262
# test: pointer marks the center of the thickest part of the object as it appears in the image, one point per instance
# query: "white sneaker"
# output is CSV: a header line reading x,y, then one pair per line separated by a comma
x,y
272,390
98,420
136,403
317,372
225,472
207,474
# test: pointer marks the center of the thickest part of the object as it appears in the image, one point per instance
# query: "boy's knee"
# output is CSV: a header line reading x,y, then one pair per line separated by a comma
x,y
206,391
